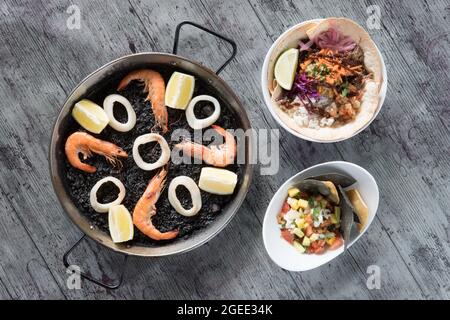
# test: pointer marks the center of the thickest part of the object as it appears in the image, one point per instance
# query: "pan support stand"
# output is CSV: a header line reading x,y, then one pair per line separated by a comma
x,y
107,285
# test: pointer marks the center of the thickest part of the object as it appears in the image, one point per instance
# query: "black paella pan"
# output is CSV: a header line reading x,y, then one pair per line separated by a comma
x,y
109,75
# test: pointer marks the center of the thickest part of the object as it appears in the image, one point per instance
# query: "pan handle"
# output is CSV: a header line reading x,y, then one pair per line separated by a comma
x,y
105,285
177,38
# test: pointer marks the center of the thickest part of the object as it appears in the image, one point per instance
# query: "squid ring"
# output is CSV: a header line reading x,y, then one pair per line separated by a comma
x,y
193,190
146,138
108,105
196,123
104,207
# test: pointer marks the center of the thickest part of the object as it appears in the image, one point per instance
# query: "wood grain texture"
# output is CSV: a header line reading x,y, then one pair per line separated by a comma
x,y
406,149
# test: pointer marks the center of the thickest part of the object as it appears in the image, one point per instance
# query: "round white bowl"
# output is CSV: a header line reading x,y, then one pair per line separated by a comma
x,y
267,98
283,253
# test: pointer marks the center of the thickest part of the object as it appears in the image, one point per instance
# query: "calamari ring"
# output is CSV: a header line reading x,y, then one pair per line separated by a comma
x,y
104,207
195,123
194,192
108,105
146,138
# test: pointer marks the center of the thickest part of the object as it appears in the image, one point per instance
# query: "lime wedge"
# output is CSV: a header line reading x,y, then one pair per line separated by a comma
x,y
90,116
217,181
179,90
120,224
285,68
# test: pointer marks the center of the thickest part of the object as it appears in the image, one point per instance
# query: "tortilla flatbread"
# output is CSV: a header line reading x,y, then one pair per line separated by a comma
x,y
371,94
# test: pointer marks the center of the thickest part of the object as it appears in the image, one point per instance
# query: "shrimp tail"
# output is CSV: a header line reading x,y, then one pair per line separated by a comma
x,y
145,209
155,87
219,130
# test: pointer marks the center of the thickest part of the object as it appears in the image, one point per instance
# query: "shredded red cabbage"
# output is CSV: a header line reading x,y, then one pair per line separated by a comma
x,y
303,87
330,39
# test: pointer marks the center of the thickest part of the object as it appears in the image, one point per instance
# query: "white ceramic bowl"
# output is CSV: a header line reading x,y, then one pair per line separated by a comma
x,y
283,253
267,98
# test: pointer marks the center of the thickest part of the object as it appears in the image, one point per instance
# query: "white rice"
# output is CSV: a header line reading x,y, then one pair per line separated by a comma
x,y
303,118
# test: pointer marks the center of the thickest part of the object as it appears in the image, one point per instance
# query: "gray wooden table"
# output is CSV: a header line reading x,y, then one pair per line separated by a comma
x,y
406,149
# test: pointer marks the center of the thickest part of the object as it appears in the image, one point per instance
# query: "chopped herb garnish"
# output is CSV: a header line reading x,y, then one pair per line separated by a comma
x,y
344,89
316,212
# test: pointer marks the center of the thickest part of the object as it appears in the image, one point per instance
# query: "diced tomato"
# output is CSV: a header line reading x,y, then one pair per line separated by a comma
x,y
317,247
319,250
286,207
309,231
337,243
289,237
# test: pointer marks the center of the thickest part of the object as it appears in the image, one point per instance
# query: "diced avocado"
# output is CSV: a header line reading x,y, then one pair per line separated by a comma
x,y
302,203
337,213
314,237
333,219
306,242
299,233
293,192
300,222
299,247
293,203
329,235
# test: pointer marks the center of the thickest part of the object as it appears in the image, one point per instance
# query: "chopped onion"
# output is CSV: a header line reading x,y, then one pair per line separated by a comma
x,y
146,138
334,40
104,207
305,46
108,105
194,192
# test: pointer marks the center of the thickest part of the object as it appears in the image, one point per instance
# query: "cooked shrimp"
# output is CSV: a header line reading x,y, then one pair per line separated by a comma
x,y
145,209
217,155
154,85
81,142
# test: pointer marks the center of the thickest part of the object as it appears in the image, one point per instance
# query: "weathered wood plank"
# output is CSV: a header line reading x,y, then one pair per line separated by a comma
x,y
4,293
294,150
405,148
57,73
23,271
398,196
33,96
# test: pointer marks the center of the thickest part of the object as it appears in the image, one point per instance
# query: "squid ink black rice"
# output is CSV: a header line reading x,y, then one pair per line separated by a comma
x,y
135,180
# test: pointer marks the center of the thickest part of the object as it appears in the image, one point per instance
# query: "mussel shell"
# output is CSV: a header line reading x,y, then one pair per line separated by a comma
x,y
338,179
347,216
313,187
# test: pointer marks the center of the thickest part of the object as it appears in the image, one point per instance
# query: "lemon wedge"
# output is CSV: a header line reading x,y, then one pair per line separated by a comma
x,y
90,116
179,90
217,181
286,67
120,224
